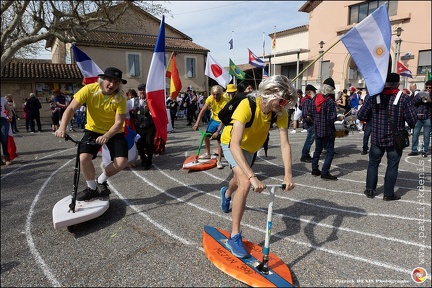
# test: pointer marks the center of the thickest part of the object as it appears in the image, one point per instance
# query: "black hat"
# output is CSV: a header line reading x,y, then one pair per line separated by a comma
x,y
310,87
393,78
113,72
141,86
330,82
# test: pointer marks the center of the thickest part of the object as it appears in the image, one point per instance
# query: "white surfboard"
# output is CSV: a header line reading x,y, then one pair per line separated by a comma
x,y
84,211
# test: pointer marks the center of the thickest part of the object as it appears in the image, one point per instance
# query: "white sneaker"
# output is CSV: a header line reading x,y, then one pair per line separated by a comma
x,y
219,165
303,131
204,156
293,131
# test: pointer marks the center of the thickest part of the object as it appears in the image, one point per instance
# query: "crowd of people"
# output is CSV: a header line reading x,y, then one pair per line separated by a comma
x,y
104,111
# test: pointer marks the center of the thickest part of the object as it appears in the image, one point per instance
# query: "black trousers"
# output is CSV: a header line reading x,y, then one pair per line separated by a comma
x,y
34,117
145,145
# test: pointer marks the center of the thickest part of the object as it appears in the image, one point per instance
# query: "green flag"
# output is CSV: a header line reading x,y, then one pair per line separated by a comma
x,y
428,76
235,71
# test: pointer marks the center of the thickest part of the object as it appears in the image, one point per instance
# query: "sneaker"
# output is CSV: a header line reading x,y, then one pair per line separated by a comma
x,y
424,155
103,189
306,159
303,131
219,165
204,156
87,194
413,154
235,244
364,152
225,203
293,131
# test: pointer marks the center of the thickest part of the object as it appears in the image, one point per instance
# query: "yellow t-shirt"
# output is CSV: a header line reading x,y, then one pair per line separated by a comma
x,y
216,106
101,109
254,136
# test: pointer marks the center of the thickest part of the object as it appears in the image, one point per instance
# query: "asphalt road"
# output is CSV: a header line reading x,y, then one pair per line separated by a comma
x,y
327,232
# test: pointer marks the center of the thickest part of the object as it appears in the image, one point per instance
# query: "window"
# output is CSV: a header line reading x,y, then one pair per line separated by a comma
x,y
190,67
424,62
325,72
290,70
134,65
360,11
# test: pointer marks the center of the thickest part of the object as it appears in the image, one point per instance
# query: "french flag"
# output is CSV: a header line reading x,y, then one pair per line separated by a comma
x,y
156,85
88,68
12,150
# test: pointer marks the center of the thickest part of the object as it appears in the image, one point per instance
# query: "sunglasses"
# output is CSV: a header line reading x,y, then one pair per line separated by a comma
x,y
283,102
428,87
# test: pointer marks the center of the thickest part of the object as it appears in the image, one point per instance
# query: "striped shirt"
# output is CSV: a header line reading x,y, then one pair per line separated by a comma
x,y
323,122
399,114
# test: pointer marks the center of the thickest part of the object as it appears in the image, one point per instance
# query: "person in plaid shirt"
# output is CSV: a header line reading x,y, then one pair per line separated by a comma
x,y
399,111
423,105
306,107
324,115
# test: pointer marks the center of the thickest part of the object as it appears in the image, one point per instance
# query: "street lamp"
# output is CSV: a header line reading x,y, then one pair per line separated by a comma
x,y
398,42
321,43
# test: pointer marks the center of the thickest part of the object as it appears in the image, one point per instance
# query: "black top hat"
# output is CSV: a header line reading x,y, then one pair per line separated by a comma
x,y
393,78
330,81
310,87
113,72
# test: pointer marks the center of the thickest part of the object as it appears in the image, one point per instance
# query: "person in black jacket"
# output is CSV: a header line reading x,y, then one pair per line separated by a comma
x,y
33,106
145,127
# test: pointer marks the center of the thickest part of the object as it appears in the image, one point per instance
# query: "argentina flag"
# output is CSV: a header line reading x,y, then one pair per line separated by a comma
x,y
368,43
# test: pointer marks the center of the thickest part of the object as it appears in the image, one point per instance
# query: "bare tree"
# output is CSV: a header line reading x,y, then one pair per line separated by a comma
x,y
25,24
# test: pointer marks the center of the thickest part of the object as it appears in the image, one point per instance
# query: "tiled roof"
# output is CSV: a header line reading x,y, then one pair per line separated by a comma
x,y
136,41
37,70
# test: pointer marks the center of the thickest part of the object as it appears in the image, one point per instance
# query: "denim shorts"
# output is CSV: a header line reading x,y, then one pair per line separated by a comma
x,y
212,126
228,156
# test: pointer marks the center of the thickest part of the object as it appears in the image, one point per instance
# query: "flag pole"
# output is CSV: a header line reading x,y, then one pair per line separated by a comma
x,y
234,78
274,51
253,71
310,64
262,73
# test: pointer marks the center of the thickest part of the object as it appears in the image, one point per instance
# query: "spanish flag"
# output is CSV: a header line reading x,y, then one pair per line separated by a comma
x,y
172,73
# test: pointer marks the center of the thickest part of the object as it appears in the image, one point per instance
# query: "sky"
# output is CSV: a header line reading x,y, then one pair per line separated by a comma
x,y
212,24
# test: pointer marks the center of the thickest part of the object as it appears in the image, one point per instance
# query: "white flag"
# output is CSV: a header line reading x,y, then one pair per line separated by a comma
x,y
215,71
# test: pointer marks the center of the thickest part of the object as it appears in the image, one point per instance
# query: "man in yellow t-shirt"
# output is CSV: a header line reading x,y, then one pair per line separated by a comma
x,y
106,112
239,144
216,101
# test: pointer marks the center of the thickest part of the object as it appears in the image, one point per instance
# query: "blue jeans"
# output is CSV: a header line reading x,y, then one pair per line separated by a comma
x,y
308,142
366,135
4,135
426,124
393,158
320,143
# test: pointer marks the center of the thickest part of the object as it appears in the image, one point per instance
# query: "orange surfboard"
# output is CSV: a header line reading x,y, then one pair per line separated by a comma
x,y
244,269
191,163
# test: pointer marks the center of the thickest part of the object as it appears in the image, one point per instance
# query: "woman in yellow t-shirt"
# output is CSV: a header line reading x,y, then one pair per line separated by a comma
x,y
239,144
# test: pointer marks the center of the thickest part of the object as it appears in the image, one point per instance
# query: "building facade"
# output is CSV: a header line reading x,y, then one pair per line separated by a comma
x,y
329,20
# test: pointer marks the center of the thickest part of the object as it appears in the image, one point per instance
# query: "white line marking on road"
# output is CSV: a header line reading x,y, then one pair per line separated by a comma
x,y
45,269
